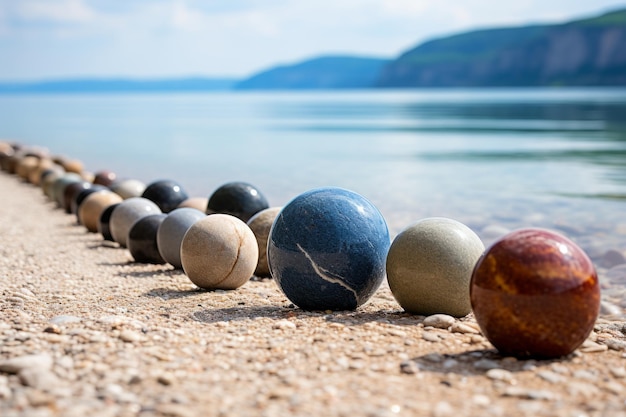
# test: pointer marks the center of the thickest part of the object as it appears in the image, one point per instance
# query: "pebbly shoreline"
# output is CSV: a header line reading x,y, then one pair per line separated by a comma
x,y
85,331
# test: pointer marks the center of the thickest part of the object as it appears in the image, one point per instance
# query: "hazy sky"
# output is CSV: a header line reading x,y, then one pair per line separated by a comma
x,y
168,38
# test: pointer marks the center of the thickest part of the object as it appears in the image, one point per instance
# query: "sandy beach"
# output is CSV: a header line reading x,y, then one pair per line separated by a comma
x,y
84,331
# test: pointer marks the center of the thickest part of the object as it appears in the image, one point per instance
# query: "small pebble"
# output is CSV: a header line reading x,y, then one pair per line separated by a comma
x,y
17,364
530,394
481,400
609,309
592,347
52,329
431,337
439,321
618,372
486,364
166,379
409,367
64,319
5,391
498,374
614,388
42,379
284,325
130,336
551,377
459,327
615,344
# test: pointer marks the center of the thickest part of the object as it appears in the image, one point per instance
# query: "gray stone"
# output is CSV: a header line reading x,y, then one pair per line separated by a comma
x,y
172,230
126,214
128,188
430,264
486,364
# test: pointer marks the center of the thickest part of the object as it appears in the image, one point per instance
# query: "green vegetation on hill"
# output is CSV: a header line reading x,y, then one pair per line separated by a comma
x,y
583,52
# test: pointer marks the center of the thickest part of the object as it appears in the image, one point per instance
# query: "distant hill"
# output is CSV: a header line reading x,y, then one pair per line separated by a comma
x,y
118,85
328,72
582,52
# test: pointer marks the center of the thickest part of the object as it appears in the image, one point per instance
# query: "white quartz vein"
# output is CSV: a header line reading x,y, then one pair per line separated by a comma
x,y
325,275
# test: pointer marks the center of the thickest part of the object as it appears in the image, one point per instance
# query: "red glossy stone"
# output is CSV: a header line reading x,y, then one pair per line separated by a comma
x,y
535,293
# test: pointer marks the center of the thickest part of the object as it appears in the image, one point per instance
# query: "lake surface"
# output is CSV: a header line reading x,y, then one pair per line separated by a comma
x,y
494,159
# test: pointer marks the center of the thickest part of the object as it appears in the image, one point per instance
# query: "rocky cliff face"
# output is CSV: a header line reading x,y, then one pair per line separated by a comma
x,y
588,52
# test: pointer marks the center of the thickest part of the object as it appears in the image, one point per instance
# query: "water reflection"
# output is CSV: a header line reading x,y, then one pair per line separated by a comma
x,y
473,127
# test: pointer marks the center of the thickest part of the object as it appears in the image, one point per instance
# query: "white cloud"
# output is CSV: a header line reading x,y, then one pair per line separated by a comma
x,y
57,11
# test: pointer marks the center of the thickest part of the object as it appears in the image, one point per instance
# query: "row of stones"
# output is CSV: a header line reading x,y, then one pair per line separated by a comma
x,y
534,292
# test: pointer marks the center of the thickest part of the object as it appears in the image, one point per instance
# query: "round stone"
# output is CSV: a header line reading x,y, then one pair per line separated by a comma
x,y
78,200
44,164
126,214
535,293
260,224
172,230
198,203
104,222
327,249
58,188
142,239
238,199
128,188
90,211
71,192
105,178
26,166
166,194
87,176
429,267
47,182
6,154
73,165
219,252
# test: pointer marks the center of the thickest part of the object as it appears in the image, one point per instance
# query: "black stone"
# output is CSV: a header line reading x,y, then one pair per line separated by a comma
x,y
238,199
103,222
71,192
166,194
142,239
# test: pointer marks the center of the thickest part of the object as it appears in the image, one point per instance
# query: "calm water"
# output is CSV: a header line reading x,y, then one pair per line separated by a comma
x,y
494,160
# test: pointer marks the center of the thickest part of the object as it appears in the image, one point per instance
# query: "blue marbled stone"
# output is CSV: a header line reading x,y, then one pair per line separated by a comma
x,y
327,249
